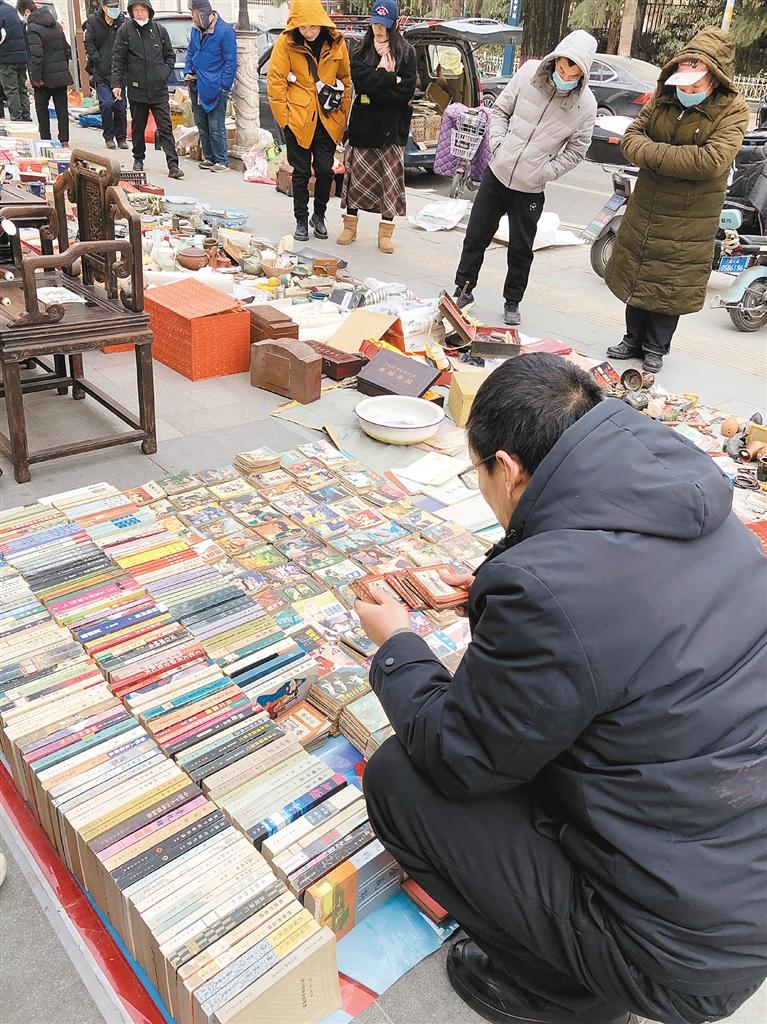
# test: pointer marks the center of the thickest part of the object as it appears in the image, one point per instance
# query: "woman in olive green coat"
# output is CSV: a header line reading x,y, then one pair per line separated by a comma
x,y
684,143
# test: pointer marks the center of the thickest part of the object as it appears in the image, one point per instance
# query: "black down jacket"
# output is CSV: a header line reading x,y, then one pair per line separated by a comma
x,y
49,51
381,111
143,59
13,49
619,657
99,44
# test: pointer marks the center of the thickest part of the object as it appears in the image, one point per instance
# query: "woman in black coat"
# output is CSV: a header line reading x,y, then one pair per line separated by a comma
x,y
384,78
49,57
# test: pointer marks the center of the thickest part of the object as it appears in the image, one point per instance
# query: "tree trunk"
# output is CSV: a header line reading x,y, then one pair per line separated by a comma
x,y
627,27
612,35
543,26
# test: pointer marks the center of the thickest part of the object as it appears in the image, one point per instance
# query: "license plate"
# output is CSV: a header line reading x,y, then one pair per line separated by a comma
x,y
733,264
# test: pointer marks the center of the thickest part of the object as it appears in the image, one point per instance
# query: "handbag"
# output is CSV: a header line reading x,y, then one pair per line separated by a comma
x,y
330,96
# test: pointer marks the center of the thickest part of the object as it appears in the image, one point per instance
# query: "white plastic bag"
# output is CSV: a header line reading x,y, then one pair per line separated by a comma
x,y
442,215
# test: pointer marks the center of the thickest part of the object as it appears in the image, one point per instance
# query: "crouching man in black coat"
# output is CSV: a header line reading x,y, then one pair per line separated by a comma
x,y
587,794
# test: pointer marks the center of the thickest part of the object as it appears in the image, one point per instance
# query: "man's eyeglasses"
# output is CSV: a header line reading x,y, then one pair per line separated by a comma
x,y
470,477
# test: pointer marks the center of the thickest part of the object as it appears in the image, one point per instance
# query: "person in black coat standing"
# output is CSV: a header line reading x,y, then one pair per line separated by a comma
x,y
49,57
384,79
101,31
587,794
13,63
143,60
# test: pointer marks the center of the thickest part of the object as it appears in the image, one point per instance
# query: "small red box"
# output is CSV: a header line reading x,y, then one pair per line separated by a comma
x,y
198,332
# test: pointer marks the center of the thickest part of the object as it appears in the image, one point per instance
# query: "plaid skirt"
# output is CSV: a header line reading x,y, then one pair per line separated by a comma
x,y
375,180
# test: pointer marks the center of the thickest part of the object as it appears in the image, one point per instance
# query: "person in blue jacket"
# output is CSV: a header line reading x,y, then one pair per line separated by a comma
x,y
13,63
211,63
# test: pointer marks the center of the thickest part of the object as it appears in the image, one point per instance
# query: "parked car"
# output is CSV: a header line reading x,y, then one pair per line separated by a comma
x,y
448,46
621,85
179,27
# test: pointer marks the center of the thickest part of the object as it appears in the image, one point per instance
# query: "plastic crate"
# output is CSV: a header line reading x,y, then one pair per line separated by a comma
x,y
198,331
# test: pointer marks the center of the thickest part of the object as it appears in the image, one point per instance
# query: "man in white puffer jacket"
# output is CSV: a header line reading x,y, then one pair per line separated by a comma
x,y
540,128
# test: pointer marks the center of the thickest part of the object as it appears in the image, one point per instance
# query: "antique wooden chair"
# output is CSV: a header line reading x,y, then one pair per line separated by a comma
x,y
89,309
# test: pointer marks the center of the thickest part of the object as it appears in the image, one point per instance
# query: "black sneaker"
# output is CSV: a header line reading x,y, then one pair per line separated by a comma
x,y
318,224
511,314
175,172
301,234
493,994
624,350
463,297
205,165
123,145
111,144
652,362
138,165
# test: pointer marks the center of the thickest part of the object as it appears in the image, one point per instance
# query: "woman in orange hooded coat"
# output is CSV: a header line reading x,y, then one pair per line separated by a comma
x,y
309,88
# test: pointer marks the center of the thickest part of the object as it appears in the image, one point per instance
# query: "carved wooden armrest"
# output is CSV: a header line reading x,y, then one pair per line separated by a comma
x,y
53,313
119,208
26,213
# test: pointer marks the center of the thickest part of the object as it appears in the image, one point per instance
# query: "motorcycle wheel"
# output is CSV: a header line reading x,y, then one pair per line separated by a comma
x,y
752,312
456,185
600,253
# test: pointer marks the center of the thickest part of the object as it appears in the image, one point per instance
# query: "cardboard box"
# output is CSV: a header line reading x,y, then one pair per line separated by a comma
x,y
285,182
463,390
363,325
198,331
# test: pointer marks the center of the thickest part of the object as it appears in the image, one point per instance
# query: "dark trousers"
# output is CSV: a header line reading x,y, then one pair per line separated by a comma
x,y
523,210
114,114
13,80
319,157
42,97
516,894
211,127
139,113
649,332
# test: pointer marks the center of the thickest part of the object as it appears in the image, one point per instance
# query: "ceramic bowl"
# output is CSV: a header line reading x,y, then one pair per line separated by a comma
x,y
180,204
192,258
399,420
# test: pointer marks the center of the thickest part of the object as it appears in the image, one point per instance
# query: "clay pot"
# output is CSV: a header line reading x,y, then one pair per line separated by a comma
x,y
730,426
192,258
753,451
209,243
761,469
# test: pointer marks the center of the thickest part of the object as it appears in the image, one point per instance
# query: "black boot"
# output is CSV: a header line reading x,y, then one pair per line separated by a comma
x,y
653,362
492,994
624,350
318,223
175,172
138,165
301,234
511,314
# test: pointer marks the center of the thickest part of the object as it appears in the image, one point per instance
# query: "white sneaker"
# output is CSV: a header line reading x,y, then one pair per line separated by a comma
x,y
218,167
3,868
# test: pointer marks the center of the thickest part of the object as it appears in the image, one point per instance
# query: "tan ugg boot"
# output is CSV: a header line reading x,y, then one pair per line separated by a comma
x,y
385,231
349,230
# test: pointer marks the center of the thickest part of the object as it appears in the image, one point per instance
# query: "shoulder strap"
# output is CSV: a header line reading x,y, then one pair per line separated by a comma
x,y
312,66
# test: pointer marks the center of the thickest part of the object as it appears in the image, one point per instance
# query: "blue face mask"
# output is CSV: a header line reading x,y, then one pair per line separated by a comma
x,y
690,99
113,12
562,85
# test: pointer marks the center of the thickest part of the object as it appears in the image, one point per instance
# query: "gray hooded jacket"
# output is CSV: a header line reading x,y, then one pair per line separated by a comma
x,y
537,134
